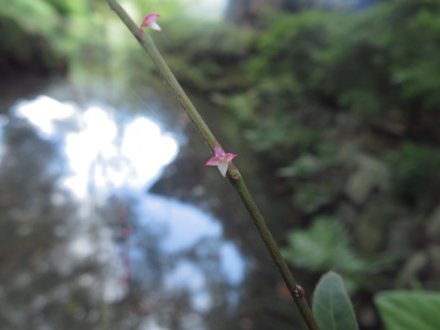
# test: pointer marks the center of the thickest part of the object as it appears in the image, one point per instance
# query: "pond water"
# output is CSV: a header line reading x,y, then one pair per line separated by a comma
x,y
80,179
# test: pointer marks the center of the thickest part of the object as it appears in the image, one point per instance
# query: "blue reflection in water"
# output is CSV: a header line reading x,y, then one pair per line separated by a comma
x,y
109,156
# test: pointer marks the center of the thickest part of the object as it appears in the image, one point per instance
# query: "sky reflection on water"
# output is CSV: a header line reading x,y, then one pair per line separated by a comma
x,y
97,150
108,156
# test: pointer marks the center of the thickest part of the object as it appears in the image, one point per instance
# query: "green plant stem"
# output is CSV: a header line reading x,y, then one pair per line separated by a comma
x,y
233,173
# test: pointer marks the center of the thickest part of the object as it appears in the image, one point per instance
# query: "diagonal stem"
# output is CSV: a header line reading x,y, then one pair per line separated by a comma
x,y
234,174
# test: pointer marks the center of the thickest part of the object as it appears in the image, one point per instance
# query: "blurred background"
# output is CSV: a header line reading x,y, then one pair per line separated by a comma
x,y
108,218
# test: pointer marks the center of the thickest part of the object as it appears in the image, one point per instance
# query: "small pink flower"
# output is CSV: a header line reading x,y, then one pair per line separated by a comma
x,y
221,159
150,21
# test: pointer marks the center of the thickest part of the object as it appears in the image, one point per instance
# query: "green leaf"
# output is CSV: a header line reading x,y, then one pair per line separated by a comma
x,y
44,17
409,310
331,304
325,245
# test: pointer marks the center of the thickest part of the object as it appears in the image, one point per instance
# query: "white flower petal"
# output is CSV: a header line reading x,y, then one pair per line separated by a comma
x,y
223,168
154,26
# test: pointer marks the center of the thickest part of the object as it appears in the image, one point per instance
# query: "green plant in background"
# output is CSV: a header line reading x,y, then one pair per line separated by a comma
x,y
415,176
409,310
310,174
202,65
326,245
39,10
365,83
65,21
283,133
64,38
294,67
358,62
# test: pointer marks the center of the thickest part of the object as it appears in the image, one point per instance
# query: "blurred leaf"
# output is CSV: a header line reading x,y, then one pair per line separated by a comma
x,y
32,16
279,133
409,310
317,248
309,164
331,304
207,65
325,245
311,196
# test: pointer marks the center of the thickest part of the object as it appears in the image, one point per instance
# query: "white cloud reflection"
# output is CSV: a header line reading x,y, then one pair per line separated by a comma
x,y
44,112
102,155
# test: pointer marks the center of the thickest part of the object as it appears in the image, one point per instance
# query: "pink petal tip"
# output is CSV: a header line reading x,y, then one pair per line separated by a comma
x,y
150,21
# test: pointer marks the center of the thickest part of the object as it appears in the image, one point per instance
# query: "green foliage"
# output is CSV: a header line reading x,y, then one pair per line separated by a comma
x,y
30,15
310,173
415,175
409,310
310,197
280,134
168,9
331,304
325,246
198,61
343,108
308,32
59,27
86,34
393,71
357,61
68,7
309,164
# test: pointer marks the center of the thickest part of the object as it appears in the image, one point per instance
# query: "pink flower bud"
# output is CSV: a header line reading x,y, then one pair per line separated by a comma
x,y
150,21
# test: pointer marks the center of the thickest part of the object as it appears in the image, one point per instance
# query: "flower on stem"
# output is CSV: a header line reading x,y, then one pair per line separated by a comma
x,y
221,159
150,21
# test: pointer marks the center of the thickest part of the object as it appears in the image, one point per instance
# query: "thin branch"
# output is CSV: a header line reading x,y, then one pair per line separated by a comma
x,y
234,174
